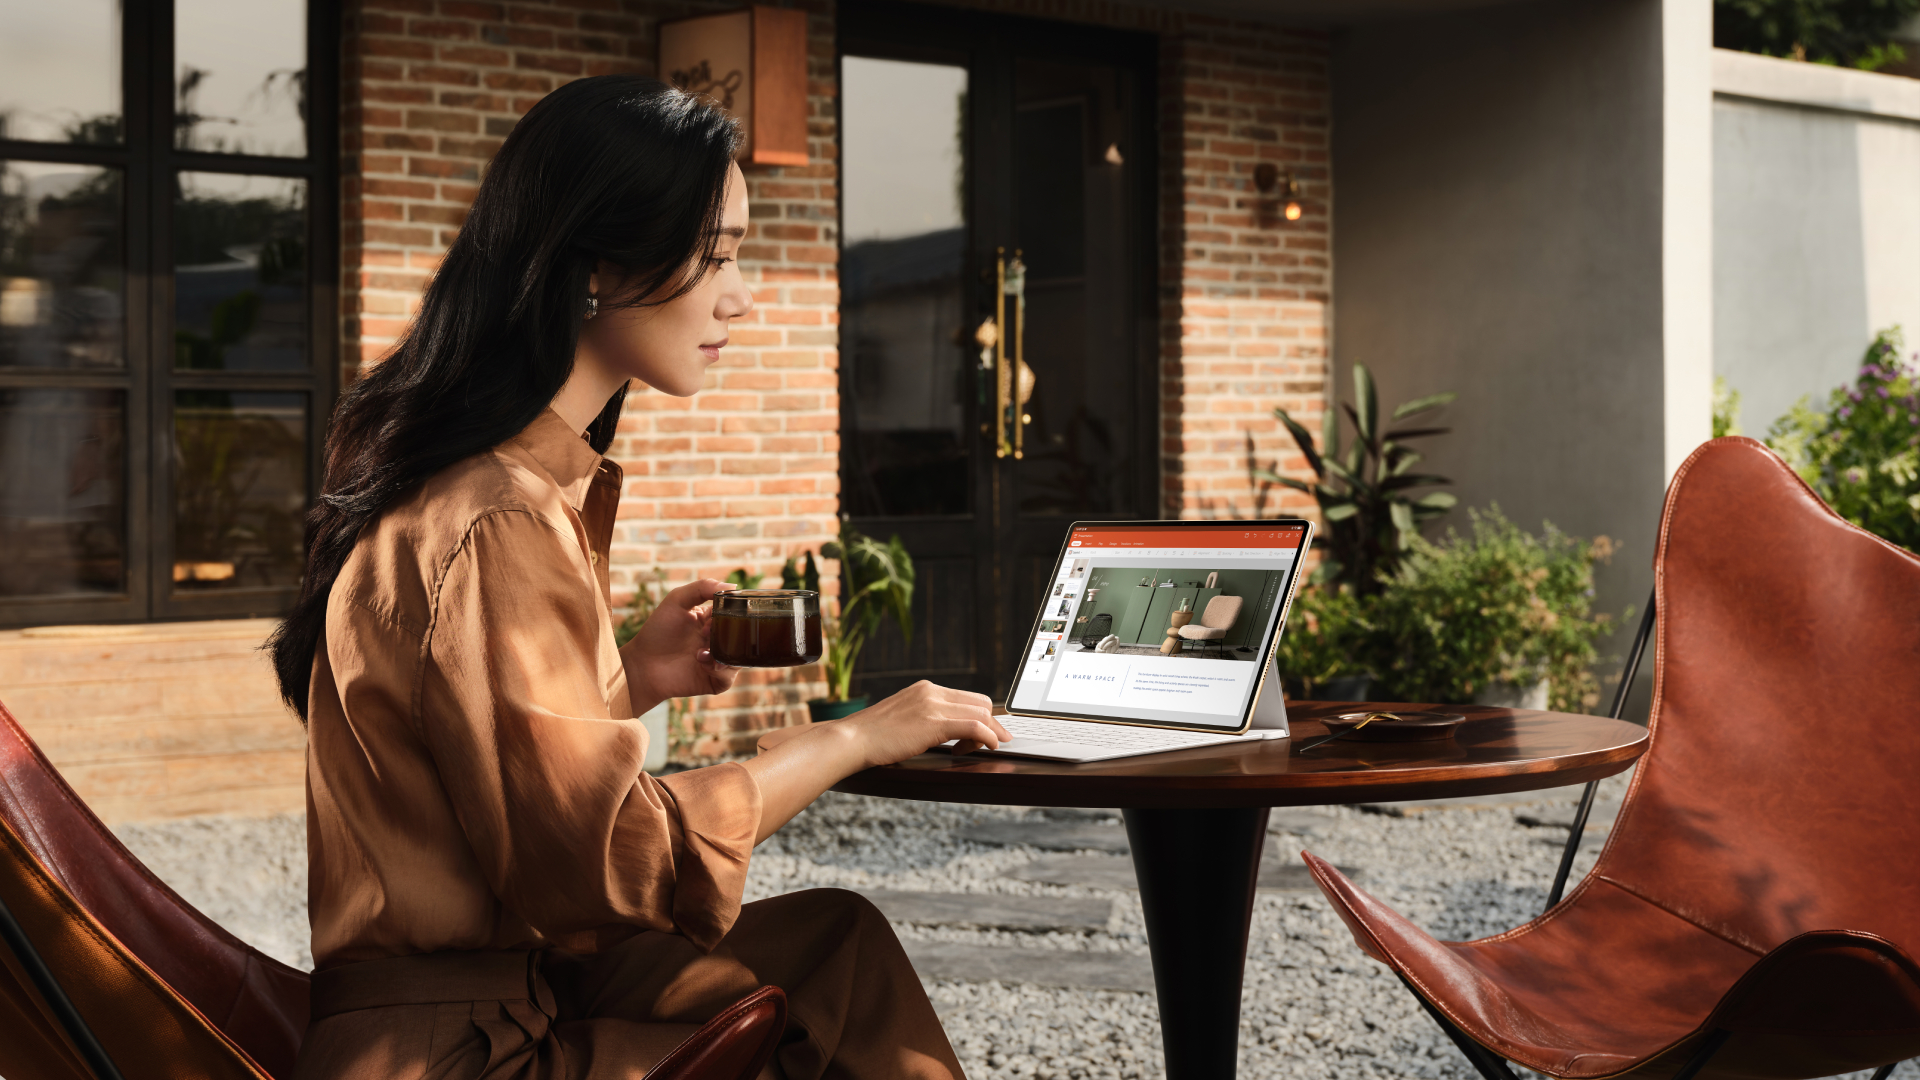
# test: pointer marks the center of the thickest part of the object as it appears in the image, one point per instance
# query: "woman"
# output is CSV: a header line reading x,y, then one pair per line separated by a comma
x,y
497,888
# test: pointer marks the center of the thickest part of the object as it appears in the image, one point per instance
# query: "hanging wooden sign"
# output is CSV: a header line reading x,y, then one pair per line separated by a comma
x,y
754,63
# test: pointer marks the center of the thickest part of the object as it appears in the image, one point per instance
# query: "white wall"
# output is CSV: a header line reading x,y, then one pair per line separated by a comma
x,y
1816,221
1522,215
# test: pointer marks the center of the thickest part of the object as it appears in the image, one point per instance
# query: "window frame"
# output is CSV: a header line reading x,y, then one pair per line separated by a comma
x,y
149,161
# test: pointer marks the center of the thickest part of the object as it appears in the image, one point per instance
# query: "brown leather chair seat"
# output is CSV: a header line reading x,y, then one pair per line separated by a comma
x,y
165,992
1756,909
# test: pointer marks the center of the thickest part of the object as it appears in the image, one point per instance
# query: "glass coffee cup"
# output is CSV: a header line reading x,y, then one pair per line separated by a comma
x,y
766,627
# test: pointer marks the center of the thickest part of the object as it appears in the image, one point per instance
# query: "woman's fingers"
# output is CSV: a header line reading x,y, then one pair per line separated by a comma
x,y
971,735
694,593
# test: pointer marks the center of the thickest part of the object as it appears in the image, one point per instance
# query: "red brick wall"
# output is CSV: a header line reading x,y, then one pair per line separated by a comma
x,y
742,475
745,473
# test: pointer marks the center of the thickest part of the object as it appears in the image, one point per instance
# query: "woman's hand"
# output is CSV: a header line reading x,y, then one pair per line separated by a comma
x,y
669,657
922,717
796,764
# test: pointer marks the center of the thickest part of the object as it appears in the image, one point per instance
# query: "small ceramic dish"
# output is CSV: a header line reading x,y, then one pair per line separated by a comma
x,y
1404,727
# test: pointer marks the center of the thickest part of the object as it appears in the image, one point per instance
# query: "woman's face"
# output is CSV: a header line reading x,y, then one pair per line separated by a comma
x,y
668,346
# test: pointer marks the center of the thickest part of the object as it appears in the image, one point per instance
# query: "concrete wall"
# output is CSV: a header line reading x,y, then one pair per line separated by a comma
x,y
1816,224
1522,217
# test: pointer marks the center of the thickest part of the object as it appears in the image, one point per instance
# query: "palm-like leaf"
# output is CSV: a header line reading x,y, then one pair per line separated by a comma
x,y
1424,404
1417,433
1366,401
1366,490
1304,440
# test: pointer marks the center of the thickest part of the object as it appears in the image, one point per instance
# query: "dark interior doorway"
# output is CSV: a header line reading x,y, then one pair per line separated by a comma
x,y
995,172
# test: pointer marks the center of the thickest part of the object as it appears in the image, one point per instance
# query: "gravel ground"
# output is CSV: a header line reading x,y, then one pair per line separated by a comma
x,y
1313,1004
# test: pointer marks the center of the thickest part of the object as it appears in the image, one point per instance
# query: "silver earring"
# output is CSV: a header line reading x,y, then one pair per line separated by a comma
x,y
593,306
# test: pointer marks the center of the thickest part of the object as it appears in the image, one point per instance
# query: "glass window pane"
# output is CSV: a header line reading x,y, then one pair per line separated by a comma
x,y
60,72
240,273
240,76
62,276
239,489
63,484
902,342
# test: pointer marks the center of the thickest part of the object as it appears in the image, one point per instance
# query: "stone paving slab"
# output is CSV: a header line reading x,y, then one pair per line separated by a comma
x,y
994,911
1092,871
1590,840
1278,873
1561,817
1101,830
1050,835
1039,967
1569,795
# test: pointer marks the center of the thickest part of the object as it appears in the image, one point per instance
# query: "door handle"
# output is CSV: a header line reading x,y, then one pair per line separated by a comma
x,y
1013,380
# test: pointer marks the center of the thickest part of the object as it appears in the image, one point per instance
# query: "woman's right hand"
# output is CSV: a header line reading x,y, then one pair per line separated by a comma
x,y
922,717
796,764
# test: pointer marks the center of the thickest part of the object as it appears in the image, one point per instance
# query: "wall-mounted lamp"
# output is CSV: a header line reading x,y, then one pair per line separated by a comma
x,y
753,62
1269,179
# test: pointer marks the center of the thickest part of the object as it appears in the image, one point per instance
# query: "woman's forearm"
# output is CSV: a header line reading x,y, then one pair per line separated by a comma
x,y
795,770
797,765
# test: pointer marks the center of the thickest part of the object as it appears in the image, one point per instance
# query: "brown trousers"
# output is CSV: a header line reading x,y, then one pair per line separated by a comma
x,y
855,1007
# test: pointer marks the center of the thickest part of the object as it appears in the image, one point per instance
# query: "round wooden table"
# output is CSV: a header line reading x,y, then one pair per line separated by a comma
x,y
1197,823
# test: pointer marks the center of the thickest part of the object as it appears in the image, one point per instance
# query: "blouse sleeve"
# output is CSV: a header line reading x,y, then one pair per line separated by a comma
x,y
569,830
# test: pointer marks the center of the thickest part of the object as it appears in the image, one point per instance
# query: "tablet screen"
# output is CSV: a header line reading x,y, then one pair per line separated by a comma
x,y
1160,622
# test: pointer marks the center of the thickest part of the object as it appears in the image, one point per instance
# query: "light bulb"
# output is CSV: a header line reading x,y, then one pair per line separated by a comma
x,y
1293,210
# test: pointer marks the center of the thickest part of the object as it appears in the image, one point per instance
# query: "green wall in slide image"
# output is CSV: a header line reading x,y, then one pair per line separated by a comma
x,y
1116,590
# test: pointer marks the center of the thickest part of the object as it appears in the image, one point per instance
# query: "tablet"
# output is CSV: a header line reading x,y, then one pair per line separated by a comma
x,y
1161,623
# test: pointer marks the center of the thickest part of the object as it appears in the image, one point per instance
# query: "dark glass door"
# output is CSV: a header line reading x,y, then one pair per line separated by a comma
x,y
168,315
998,317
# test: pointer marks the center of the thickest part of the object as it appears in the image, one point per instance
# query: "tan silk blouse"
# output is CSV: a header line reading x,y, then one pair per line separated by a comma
x,y
473,769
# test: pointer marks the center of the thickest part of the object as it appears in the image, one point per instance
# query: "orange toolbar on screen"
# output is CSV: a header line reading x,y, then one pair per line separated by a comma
x,y
1203,537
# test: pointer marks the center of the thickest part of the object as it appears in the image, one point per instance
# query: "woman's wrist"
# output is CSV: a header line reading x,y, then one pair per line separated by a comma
x,y
640,693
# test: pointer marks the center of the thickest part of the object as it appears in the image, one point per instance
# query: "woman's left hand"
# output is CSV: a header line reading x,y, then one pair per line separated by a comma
x,y
669,657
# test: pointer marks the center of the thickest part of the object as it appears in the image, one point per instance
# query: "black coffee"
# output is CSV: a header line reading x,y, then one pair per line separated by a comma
x,y
765,639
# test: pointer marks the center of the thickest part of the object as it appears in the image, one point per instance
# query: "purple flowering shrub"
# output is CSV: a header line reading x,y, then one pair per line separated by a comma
x,y
1862,453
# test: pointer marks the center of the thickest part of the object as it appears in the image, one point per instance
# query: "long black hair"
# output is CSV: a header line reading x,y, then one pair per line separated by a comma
x,y
615,169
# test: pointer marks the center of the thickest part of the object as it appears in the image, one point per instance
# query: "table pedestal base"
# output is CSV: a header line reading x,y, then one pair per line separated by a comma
x,y
1197,871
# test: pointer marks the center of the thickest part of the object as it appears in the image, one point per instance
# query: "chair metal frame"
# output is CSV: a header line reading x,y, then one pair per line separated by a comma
x,y
1491,1065
44,980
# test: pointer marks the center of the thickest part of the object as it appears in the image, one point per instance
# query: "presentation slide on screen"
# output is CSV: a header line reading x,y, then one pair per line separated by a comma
x,y
1165,623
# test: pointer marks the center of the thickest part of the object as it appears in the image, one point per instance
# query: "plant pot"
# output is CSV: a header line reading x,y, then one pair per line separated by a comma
x,y
655,720
1508,695
1346,688
820,709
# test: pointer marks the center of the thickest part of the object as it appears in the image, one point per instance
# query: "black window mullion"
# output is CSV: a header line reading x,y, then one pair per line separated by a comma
x,y
318,168
156,157
65,153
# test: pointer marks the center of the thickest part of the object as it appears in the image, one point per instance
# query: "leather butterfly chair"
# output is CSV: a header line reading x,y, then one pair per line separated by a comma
x,y
107,973
1756,909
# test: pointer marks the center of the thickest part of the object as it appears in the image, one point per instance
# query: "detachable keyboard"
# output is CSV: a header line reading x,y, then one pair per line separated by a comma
x,y
1080,740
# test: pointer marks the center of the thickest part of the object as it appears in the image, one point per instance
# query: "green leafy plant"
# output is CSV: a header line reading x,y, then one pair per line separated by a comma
x,y
1460,616
876,583
1497,606
1326,639
1726,408
1862,454
1366,491
1852,33
648,593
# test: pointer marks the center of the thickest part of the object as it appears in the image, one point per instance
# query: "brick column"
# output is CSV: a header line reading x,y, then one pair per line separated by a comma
x,y
1245,292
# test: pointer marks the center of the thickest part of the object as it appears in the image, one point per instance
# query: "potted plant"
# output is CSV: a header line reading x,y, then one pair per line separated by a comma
x,y
1366,491
876,583
1496,617
664,720
1862,453
1499,617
